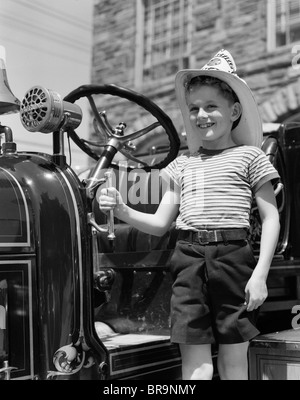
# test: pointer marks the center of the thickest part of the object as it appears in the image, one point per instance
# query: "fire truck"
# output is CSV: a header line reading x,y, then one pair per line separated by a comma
x,y
84,296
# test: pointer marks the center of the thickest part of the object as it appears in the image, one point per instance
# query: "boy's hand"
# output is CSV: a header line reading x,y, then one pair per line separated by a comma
x,y
109,198
255,293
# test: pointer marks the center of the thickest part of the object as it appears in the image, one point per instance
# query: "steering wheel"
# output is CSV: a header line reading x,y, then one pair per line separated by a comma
x,y
116,140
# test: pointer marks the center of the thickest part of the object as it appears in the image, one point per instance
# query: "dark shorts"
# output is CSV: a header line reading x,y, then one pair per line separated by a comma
x,y
207,303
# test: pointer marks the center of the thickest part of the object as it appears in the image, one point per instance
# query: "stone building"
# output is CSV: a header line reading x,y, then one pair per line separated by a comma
x,y
140,44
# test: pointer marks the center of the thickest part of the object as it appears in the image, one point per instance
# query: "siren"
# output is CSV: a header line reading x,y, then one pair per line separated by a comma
x,y
8,101
43,110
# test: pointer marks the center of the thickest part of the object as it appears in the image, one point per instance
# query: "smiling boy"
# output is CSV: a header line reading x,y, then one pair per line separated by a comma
x,y
218,283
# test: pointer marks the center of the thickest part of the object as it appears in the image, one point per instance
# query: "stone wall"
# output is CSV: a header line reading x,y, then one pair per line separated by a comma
x,y
114,42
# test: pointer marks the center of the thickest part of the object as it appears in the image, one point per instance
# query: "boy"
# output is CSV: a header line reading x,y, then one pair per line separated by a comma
x,y
218,284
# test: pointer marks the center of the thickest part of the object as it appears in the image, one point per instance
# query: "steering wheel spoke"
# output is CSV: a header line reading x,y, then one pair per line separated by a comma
x,y
131,157
102,126
101,133
135,135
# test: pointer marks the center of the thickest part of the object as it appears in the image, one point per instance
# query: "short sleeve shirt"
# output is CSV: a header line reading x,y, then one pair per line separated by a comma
x,y
217,186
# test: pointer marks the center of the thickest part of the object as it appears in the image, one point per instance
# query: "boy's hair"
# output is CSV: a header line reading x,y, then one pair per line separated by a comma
x,y
223,87
215,82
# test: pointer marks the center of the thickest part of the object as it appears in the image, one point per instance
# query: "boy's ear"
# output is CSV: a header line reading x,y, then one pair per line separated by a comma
x,y
236,111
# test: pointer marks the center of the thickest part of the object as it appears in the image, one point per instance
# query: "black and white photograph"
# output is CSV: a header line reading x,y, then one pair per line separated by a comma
x,y
149,193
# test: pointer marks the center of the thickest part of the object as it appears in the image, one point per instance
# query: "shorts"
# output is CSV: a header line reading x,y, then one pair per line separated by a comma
x,y
207,302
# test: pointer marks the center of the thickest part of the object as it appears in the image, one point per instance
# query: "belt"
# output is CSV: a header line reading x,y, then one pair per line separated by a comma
x,y
213,236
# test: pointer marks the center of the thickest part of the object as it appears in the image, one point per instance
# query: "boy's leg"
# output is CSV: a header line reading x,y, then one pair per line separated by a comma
x,y
233,361
196,361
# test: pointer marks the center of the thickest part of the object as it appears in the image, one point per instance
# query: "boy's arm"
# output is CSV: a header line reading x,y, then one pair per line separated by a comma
x,y
256,289
155,224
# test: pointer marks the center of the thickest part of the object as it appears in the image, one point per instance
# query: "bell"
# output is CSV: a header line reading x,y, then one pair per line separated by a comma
x,y
8,102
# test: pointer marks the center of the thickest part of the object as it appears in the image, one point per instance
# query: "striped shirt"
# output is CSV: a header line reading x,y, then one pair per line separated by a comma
x,y
217,186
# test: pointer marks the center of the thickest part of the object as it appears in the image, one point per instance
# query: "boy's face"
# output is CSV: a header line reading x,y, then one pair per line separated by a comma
x,y
212,115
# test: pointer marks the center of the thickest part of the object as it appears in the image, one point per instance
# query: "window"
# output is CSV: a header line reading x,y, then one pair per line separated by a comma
x,y
163,37
283,23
